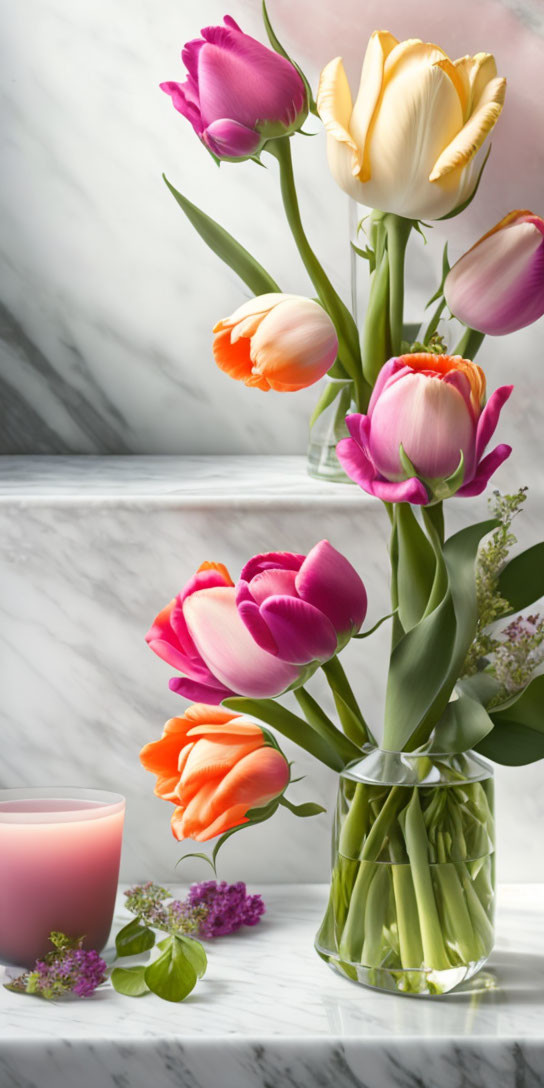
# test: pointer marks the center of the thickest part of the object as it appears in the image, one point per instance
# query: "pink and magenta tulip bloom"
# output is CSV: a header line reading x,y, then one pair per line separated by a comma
x,y
497,287
238,94
298,608
426,431
201,634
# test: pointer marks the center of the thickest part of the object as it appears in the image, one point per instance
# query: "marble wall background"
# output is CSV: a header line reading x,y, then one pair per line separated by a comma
x,y
108,296
90,551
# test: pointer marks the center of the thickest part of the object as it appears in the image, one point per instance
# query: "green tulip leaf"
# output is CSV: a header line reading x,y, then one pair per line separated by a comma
x,y
130,981
172,976
517,737
329,394
134,938
521,582
464,723
427,660
226,247
482,686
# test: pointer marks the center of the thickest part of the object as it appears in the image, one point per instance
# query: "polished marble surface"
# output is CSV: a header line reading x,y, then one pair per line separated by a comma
x,y
108,295
90,549
270,1014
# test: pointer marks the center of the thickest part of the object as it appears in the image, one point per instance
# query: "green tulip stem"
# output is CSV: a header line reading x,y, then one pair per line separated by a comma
x,y
348,337
398,232
351,717
469,344
316,717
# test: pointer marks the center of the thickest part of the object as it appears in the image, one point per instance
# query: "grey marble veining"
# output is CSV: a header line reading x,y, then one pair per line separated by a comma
x,y
109,297
270,1014
90,549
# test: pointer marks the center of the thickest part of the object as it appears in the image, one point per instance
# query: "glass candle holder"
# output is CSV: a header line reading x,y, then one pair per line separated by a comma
x,y
60,850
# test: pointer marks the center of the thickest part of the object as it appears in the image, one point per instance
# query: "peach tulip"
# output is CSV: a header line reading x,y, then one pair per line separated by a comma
x,y
275,341
409,143
214,766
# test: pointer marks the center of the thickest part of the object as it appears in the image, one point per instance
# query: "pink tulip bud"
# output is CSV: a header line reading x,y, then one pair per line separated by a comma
x,y
425,432
238,94
497,287
300,608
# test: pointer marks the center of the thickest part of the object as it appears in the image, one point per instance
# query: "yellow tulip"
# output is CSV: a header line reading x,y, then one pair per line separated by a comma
x,y
410,143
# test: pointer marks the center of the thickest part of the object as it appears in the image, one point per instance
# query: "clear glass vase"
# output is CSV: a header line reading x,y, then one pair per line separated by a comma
x,y
328,429
413,880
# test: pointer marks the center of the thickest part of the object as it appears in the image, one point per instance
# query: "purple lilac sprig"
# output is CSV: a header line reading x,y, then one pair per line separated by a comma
x,y
68,969
228,907
210,909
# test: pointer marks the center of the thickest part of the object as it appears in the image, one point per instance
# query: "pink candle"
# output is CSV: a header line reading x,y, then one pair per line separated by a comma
x,y
59,866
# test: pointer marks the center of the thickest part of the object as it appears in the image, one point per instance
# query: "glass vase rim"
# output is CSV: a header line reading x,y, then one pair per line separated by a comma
x,y
101,803
408,760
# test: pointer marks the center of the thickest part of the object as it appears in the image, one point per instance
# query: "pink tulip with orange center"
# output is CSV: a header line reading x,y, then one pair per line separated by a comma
x,y
238,94
426,431
215,767
275,341
497,287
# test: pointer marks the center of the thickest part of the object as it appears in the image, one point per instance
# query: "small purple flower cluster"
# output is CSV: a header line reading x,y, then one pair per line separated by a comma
x,y
210,909
228,907
70,969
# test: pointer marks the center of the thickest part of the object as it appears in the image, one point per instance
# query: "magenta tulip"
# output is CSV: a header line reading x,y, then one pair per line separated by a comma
x,y
425,432
298,608
497,287
201,634
238,94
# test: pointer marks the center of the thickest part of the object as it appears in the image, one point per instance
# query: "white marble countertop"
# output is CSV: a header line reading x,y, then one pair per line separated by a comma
x,y
212,479
270,1014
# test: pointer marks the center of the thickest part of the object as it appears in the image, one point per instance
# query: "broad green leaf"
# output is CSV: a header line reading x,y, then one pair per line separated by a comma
x,y
290,725
517,737
278,47
130,981
134,938
463,724
308,808
415,569
427,660
521,582
195,953
226,247
482,686
172,976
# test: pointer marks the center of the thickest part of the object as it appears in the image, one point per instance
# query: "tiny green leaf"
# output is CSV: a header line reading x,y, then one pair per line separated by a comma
x,y
201,856
134,938
130,981
308,808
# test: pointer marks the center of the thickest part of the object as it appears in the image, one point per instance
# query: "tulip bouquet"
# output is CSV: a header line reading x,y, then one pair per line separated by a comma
x,y
412,892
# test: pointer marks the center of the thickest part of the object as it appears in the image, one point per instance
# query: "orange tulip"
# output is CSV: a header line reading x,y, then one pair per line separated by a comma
x,y
280,342
214,766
